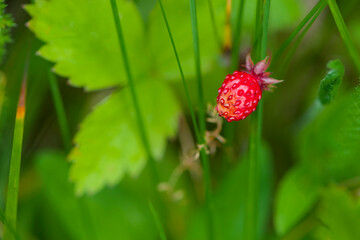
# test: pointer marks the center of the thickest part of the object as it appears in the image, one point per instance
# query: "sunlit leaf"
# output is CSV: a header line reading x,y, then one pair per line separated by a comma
x,y
80,38
108,144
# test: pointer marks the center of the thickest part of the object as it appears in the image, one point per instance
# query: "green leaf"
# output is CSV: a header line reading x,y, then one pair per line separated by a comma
x,y
6,23
80,38
330,143
178,14
108,144
330,84
339,214
297,194
111,214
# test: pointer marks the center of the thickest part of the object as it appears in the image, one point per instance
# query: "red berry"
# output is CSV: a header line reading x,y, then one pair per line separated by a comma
x,y
241,92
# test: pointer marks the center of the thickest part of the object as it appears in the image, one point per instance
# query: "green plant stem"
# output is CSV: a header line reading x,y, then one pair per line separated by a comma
x,y
297,30
192,112
158,223
345,35
60,111
260,46
195,35
14,174
7,225
236,36
139,117
201,140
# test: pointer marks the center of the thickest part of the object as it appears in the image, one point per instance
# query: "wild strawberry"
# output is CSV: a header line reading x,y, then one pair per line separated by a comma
x,y
241,91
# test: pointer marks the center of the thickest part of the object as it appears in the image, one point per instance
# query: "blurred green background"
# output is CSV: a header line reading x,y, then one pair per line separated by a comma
x,y
309,169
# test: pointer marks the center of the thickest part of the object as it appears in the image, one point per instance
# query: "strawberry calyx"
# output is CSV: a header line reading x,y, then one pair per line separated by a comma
x,y
258,71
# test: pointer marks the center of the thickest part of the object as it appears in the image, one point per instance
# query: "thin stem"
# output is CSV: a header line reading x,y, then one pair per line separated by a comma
x,y
203,155
60,111
14,174
237,35
192,112
133,91
297,30
284,65
345,35
195,34
158,223
260,45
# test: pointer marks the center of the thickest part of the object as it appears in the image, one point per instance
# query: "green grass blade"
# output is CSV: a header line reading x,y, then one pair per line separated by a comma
x,y
296,31
7,225
260,43
345,35
158,223
60,111
14,174
203,155
192,112
195,35
284,64
133,91
236,36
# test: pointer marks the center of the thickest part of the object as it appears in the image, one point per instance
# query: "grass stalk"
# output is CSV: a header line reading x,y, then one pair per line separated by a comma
x,y
158,223
60,111
202,122
296,31
134,98
14,174
284,64
236,37
259,48
5,223
192,112
345,35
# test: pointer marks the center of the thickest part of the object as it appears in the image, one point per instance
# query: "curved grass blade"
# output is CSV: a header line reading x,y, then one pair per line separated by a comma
x,y
158,223
345,35
60,111
14,174
133,92
297,30
192,112
284,65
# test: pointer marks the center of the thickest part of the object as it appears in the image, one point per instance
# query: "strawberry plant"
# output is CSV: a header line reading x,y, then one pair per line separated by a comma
x,y
113,125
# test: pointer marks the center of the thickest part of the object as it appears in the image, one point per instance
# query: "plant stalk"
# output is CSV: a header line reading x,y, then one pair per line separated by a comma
x,y
345,35
202,122
259,48
133,93
60,111
14,174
